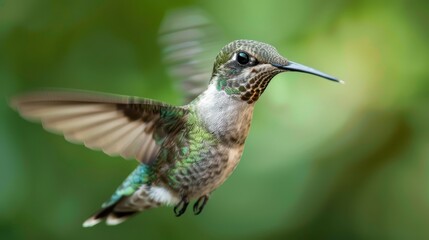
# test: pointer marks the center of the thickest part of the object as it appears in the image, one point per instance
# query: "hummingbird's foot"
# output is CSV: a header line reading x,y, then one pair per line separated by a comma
x,y
200,203
180,208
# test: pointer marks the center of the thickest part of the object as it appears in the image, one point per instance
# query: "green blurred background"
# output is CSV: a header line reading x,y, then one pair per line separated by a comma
x,y
323,160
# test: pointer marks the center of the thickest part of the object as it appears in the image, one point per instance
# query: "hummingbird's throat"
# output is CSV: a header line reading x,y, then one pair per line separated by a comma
x,y
247,89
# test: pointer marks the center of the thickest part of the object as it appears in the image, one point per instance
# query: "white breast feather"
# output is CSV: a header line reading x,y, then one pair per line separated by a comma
x,y
218,110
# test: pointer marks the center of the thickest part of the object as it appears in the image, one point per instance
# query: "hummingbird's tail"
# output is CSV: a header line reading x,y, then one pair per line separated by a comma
x,y
124,208
107,213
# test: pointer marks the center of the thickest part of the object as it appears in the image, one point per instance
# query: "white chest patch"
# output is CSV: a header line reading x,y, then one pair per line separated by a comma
x,y
218,110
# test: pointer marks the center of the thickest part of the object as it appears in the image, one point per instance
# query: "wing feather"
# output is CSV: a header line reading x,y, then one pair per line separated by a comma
x,y
117,125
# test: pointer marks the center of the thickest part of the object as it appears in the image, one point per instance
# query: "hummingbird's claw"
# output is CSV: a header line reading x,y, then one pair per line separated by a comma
x,y
198,208
180,208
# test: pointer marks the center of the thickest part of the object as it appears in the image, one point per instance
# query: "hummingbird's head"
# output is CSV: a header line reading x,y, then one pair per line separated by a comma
x,y
243,69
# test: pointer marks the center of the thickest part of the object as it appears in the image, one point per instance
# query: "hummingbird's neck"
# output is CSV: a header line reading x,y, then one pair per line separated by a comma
x,y
246,84
226,116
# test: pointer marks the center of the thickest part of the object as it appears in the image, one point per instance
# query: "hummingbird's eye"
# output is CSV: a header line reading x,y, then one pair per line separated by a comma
x,y
242,58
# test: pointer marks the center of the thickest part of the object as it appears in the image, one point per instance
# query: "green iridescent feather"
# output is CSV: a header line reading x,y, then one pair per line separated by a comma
x,y
137,178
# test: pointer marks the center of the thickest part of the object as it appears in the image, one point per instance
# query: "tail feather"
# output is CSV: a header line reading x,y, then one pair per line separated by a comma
x,y
111,214
112,217
116,218
91,222
123,203
124,207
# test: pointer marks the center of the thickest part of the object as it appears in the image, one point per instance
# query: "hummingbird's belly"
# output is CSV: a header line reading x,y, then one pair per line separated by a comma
x,y
234,156
204,176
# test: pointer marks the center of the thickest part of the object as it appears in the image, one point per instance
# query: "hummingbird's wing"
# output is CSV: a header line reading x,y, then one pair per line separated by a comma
x,y
190,41
118,125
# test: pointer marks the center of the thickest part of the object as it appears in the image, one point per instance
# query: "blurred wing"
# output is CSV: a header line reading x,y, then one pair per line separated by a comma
x,y
190,42
118,125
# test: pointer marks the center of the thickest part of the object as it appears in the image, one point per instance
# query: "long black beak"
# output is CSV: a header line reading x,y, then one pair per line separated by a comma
x,y
296,67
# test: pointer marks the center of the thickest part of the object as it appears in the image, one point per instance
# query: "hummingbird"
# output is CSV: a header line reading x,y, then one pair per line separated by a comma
x,y
184,152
